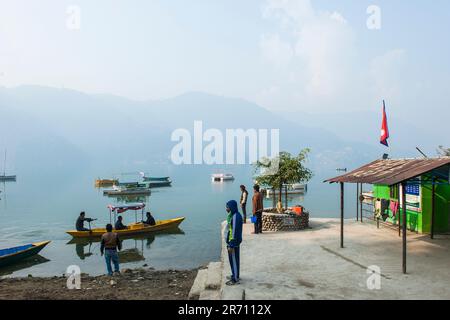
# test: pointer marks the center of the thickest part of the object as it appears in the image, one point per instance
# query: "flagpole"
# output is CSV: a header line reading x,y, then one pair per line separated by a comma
x,y
389,145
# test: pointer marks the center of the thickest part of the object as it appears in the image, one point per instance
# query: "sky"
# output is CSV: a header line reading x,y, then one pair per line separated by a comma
x,y
286,55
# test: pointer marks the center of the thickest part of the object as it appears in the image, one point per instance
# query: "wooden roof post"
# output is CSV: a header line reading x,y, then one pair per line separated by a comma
x,y
342,215
404,226
357,203
361,201
433,206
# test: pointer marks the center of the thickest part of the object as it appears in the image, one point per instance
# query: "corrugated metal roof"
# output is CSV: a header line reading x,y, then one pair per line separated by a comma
x,y
391,171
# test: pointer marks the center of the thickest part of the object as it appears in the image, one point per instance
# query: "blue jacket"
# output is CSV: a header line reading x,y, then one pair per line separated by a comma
x,y
234,227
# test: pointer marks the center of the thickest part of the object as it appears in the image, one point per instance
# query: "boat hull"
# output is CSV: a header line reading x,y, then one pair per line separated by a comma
x,y
134,229
149,179
160,184
127,192
15,257
7,178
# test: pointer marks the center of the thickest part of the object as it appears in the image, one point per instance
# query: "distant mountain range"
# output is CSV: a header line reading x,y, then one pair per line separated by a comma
x,y
62,128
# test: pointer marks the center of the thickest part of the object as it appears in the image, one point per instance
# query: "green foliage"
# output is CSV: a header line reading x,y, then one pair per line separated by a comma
x,y
291,169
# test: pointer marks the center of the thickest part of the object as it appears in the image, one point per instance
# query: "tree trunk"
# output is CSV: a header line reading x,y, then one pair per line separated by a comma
x,y
280,196
280,203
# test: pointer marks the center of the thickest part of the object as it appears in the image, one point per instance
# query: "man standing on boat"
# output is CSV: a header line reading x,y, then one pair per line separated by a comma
x,y
233,239
79,225
244,196
257,203
109,246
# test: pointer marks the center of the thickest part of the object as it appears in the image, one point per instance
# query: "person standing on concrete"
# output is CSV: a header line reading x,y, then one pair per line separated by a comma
x,y
257,202
244,196
109,246
233,240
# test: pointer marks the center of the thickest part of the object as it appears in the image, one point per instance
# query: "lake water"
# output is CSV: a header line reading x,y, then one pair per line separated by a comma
x,y
42,207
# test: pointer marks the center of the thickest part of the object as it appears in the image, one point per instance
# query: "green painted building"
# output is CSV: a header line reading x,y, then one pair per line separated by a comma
x,y
419,205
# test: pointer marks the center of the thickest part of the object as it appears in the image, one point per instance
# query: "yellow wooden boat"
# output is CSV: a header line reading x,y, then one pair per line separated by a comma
x,y
133,229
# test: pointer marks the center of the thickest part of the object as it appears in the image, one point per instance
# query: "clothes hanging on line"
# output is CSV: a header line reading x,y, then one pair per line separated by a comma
x,y
394,207
384,208
377,206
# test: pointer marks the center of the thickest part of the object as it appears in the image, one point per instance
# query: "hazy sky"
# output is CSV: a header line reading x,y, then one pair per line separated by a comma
x,y
313,56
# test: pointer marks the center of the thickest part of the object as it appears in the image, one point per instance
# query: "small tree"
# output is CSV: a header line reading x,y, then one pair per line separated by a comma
x,y
291,169
443,151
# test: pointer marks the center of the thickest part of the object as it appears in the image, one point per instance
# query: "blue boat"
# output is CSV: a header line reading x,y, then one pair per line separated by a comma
x,y
15,254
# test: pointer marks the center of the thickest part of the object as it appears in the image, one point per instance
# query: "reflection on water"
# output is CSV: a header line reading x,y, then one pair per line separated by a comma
x,y
4,190
26,263
85,248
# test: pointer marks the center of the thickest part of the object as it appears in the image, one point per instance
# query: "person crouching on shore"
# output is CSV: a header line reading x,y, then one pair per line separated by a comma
x,y
233,240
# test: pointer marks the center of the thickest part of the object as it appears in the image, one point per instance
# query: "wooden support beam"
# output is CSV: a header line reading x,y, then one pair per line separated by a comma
x,y
342,215
361,202
404,227
433,207
399,212
357,202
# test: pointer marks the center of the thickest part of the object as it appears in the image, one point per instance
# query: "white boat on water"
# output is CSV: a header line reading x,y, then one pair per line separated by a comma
x,y
221,177
295,188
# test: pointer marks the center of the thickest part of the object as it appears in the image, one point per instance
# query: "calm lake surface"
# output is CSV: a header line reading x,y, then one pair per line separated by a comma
x,y
42,207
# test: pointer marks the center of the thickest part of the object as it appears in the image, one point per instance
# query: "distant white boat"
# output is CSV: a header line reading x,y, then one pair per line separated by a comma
x,y
221,177
295,188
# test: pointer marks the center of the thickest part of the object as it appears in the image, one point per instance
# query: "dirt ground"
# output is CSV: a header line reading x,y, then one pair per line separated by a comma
x,y
139,284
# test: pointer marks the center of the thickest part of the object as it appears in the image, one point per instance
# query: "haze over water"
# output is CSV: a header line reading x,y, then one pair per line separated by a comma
x,y
35,209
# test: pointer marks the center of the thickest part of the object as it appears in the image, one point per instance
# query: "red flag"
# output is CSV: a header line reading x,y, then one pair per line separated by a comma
x,y
384,128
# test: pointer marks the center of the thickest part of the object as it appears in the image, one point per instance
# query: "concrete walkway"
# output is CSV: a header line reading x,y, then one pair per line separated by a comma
x,y
311,265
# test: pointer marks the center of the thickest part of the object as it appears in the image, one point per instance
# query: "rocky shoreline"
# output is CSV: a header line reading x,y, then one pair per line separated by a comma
x,y
131,284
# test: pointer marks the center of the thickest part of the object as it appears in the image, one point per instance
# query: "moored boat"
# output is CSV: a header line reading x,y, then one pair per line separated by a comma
x,y
105,182
160,184
117,191
221,177
295,188
7,178
15,254
155,179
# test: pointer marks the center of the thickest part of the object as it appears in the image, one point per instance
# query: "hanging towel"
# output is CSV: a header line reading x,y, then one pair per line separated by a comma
x,y
394,207
377,209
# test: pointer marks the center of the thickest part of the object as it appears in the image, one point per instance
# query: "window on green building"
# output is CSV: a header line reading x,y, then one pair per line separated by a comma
x,y
394,191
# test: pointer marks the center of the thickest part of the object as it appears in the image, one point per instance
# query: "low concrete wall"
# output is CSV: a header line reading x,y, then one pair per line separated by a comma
x,y
285,222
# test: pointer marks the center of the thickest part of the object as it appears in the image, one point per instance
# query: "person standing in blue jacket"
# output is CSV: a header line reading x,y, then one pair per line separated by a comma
x,y
233,240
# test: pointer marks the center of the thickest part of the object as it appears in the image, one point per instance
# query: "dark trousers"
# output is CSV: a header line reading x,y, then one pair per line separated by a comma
x,y
234,263
258,224
244,212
